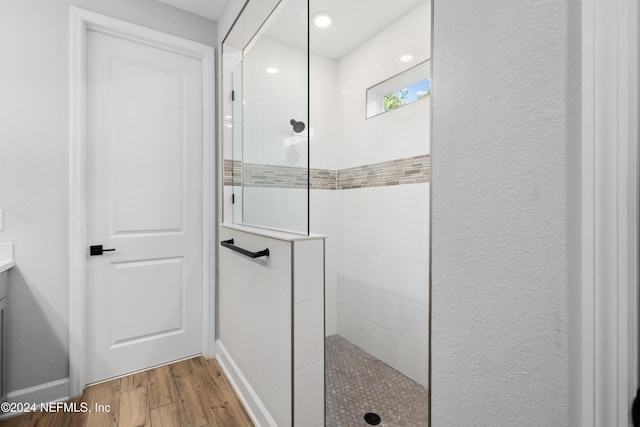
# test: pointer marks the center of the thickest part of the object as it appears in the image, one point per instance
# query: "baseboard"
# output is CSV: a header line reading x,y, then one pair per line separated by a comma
x,y
252,403
54,391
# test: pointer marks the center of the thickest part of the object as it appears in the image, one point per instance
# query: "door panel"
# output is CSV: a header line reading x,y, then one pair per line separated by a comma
x,y
148,156
144,158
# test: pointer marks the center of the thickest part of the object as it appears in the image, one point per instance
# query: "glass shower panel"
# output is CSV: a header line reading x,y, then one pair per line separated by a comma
x,y
275,149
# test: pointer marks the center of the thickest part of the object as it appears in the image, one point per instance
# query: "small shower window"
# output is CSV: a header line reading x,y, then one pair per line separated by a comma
x,y
402,89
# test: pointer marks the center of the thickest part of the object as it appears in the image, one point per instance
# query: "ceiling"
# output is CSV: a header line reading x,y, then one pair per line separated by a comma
x,y
210,9
353,23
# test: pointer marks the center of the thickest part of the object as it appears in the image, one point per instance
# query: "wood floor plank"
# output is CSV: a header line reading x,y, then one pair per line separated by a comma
x,y
231,412
15,421
198,362
132,381
190,393
162,390
134,408
106,395
166,416
182,368
47,419
192,396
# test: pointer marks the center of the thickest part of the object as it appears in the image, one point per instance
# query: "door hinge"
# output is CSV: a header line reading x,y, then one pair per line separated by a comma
x,y
233,198
233,95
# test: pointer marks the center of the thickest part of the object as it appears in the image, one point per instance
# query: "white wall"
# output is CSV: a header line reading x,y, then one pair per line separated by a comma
x,y
505,212
377,251
34,140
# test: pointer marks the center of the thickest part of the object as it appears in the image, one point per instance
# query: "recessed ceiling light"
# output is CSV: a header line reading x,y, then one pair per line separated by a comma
x,y
271,70
406,58
322,19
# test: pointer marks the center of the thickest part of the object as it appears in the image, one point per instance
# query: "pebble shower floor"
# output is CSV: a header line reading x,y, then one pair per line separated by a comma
x,y
358,383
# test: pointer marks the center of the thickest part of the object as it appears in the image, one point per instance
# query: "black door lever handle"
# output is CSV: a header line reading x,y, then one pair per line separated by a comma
x,y
98,250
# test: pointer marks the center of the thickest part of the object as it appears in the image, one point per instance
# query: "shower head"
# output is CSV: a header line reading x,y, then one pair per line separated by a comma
x,y
297,126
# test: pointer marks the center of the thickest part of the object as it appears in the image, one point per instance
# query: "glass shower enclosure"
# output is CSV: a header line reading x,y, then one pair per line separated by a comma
x,y
266,117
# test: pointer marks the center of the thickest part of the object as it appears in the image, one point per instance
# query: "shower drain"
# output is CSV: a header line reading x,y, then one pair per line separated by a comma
x,y
372,419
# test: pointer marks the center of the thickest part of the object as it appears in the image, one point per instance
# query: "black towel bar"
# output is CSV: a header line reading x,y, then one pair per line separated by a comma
x,y
229,244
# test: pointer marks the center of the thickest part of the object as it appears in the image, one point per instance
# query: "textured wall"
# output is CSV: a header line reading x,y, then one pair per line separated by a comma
x,y
505,203
34,152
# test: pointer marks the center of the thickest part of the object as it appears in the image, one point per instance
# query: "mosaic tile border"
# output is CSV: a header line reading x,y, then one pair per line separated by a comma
x,y
411,170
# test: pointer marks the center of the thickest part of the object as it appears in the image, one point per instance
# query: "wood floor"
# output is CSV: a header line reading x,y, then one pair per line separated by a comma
x,y
190,393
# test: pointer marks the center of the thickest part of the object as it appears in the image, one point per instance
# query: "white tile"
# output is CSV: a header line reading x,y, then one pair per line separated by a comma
x,y
412,282
308,270
351,236
350,205
354,264
342,286
410,200
352,296
387,236
308,333
368,203
309,396
333,261
363,334
370,240
338,239
385,207
412,242
331,321
369,269
365,304
388,311
331,291
321,205
413,321
389,348
369,338
413,360
346,324
387,274
331,231
339,263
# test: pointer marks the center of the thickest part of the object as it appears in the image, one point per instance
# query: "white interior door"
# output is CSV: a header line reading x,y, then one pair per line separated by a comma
x,y
144,169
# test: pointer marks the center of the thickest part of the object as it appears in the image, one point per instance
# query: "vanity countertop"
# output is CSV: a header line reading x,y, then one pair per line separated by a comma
x,y
6,256
6,264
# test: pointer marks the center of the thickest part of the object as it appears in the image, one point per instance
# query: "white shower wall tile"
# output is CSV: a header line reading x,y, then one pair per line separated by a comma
x,y
412,282
275,207
413,321
401,139
331,321
388,317
332,261
324,90
412,241
413,360
309,335
309,401
389,347
331,291
384,274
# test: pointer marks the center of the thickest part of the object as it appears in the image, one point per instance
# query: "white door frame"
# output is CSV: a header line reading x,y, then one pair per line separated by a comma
x,y
609,347
81,21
